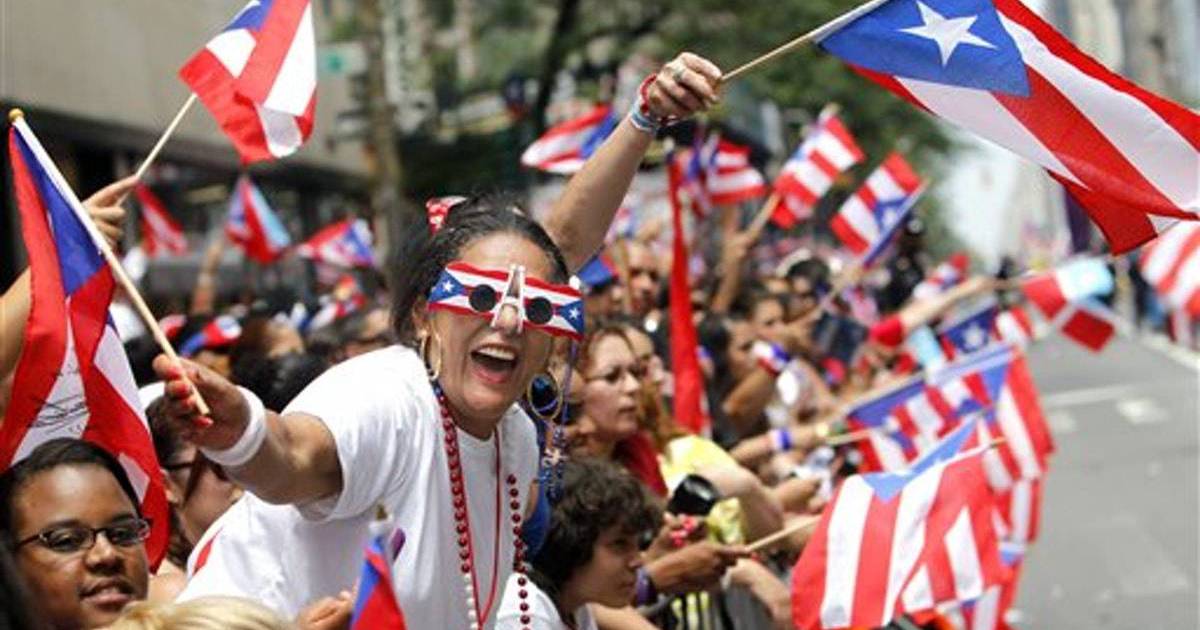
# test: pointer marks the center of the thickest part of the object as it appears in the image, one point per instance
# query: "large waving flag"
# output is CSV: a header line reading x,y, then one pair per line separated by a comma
x,y
566,146
871,215
258,78
1127,156
253,225
376,607
160,231
826,152
73,379
346,243
879,528
1171,263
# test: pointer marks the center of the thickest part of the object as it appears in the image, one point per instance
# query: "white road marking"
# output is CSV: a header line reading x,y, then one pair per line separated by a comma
x,y
1142,411
1062,422
1175,352
1088,396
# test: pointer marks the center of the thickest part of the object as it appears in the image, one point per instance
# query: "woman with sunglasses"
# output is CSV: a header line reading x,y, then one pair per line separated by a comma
x,y
70,516
427,431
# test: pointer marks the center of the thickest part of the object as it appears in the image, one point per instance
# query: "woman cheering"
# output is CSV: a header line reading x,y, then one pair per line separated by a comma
x,y
428,430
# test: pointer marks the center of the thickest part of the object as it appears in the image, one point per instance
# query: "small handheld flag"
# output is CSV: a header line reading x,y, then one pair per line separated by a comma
x,y
258,78
565,147
253,225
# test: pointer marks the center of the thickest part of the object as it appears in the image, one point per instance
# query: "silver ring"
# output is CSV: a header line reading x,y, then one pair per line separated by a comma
x,y
677,72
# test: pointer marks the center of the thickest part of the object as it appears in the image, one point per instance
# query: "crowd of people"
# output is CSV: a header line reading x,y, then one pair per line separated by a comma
x,y
531,471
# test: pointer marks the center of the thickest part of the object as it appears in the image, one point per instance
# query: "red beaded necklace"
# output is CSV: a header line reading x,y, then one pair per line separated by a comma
x,y
462,526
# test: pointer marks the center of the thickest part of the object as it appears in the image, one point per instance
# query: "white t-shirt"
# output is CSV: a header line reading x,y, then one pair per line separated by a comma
x,y
387,426
542,613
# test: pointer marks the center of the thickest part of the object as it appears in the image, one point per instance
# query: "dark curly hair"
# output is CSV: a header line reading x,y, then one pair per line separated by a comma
x,y
596,496
420,259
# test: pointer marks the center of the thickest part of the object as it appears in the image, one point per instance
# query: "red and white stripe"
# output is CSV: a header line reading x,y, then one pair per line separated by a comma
x,y
856,223
827,151
258,130
863,554
1021,508
1013,326
160,232
281,73
1124,153
1171,263
560,149
730,178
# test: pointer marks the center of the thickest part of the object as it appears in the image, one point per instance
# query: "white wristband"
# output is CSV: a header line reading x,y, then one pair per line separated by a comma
x,y
252,438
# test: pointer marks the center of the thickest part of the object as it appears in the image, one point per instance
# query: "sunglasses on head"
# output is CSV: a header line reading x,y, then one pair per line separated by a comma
x,y
551,308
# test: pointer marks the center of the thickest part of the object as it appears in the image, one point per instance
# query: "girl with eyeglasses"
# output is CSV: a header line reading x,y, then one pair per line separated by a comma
x,y
70,516
426,430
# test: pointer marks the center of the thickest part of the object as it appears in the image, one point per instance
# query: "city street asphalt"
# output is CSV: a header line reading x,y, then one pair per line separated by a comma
x,y
1118,544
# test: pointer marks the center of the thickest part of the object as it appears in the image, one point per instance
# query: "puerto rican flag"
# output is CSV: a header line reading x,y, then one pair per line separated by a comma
x,y
73,379
686,177
878,529
871,215
453,290
221,332
945,276
827,151
376,607
161,233
253,225
566,146
729,177
969,333
995,382
1067,298
995,68
346,244
258,78
1171,264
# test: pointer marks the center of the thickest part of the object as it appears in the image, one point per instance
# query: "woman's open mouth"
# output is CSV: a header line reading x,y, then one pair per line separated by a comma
x,y
494,364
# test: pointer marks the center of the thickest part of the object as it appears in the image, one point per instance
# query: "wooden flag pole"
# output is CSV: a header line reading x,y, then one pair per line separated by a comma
x,y
815,35
795,528
17,117
162,141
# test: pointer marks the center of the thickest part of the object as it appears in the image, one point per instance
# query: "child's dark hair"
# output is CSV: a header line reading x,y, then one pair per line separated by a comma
x,y
596,496
420,259
48,456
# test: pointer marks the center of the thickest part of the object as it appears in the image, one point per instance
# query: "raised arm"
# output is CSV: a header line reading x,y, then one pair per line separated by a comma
x,y
581,217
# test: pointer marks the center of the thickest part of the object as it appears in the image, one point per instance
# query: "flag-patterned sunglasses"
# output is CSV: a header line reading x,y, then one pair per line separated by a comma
x,y
551,308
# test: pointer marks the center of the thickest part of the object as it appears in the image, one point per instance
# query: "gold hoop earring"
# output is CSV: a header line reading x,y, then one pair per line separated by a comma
x,y
430,369
545,416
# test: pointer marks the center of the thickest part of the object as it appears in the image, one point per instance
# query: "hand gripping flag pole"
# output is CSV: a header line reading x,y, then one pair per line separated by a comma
x,y
17,118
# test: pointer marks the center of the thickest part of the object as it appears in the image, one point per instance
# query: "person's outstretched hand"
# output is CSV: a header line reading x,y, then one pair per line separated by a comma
x,y
229,413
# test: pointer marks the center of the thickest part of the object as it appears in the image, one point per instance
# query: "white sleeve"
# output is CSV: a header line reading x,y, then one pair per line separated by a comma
x,y
370,410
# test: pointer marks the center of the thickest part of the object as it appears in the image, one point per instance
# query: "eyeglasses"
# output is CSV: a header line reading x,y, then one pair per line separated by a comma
x,y
484,298
616,374
75,538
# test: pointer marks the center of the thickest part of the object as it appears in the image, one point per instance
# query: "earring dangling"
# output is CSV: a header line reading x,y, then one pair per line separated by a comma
x,y
545,412
430,369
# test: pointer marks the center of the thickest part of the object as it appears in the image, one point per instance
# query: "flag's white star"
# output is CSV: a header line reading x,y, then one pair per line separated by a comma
x,y
974,336
890,216
947,33
572,314
448,286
